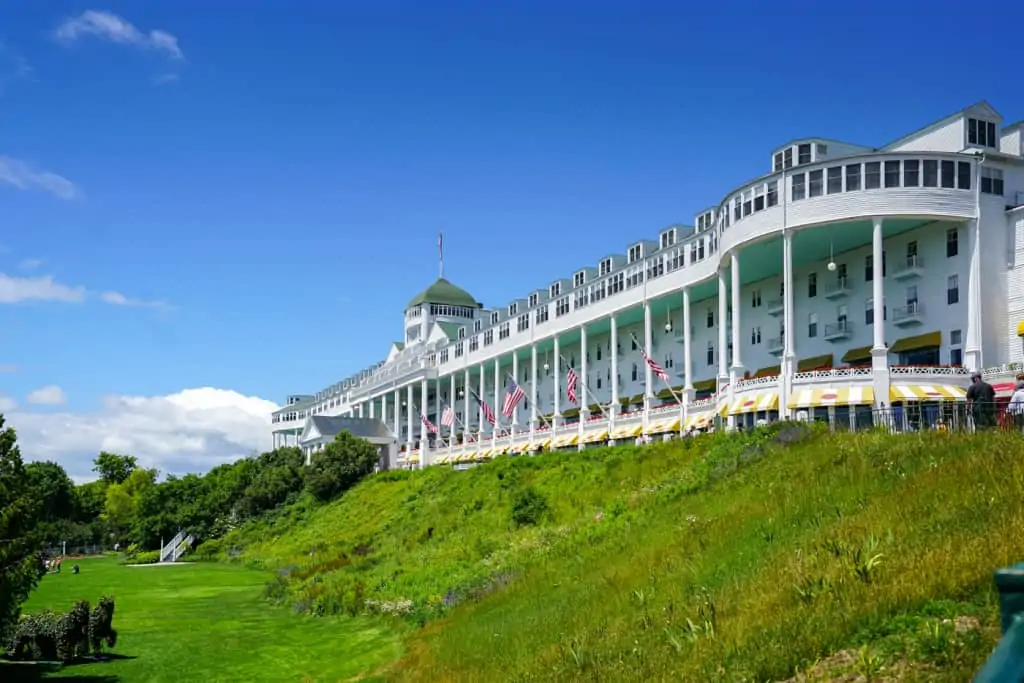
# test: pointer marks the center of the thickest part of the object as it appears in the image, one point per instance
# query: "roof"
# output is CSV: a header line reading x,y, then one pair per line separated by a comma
x,y
451,330
443,292
363,427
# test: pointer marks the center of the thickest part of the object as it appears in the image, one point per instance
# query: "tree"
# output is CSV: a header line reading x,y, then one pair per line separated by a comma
x,y
54,490
114,468
341,464
21,565
123,499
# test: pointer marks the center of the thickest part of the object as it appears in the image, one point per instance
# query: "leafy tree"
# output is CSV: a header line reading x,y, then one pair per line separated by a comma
x,y
20,563
341,464
54,490
123,499
114,468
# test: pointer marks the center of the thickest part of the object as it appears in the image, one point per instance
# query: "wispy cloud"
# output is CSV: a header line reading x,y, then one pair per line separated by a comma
x,y
51,395
23,176
30,263
18,290
109,26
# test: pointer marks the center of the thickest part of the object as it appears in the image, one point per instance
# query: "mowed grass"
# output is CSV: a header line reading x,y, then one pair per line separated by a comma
x,y
209,622
740,558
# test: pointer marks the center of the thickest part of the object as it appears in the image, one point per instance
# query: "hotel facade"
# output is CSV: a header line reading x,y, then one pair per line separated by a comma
x,y
846,279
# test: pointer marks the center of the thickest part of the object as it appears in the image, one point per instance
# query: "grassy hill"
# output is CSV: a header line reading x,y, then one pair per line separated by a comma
x,y
756,557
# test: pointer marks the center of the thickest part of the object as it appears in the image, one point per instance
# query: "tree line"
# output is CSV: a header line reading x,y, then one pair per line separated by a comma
x,y
131,505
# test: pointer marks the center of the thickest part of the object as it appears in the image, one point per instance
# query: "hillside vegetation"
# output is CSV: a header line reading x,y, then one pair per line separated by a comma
x,y
775,554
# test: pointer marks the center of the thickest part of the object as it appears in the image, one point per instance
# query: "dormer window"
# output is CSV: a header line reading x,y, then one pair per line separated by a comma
x,y
462,333
534,300
636,252
513,309
579,279
787,158
821,150
477,324
494,317
777,165
982,133
668,238
605,267
804,154
555,289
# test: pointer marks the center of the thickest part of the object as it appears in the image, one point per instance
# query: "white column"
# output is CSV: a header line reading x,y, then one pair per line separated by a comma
x,y
723,340
972,344
788,364
687,361
879,350
497,402
483,397
466,422
384,409
451,404
648,373
557,385
408,418
613,343
584,394
533,394
424,434
515,376
372,411
737,338
398,417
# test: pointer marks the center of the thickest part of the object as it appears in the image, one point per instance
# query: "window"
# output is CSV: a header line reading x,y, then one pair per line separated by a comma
x,y
787,157
812,285
504,331
458,350
931,173
773,193
814,183
981,133
669,361
911,173
555,289
952,290
534,300
579,279
872,175
711,317
963,175
892,174
513,309
462,333
635,372
495,316
852,177
755,298
778,162
746,202
835,179
737,207
523,323
668,238
956,357
822,150
711,353
952,242
599,351
804,152
759,198
948,169
562,307
636,252
912,253
755,335
869,312
812,325
488,337
912,297
956,337
474,343
799,189
542,315
605,266
478,325
869,268
841,314
991,181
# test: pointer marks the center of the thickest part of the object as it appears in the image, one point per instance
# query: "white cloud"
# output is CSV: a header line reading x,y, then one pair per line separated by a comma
x,y
109,26
30,263
190,431
50,395
7,404
23,176
16,290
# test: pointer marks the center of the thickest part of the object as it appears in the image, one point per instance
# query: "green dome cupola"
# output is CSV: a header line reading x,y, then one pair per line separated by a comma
x,y
445,293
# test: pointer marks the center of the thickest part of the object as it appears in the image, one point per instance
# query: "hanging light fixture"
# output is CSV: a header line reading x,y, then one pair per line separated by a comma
x,y
831,260
668,320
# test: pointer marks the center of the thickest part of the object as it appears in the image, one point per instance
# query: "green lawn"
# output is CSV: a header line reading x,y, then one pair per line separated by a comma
x,y
209,622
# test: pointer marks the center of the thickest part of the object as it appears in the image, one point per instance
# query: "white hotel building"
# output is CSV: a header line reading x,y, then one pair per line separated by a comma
x,y
845,279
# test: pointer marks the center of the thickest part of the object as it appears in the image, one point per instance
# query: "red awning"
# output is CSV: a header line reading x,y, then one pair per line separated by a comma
x,y
1004,388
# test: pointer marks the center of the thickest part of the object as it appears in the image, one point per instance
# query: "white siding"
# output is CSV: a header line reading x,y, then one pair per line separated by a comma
x,y
949,137
1010,143
1015,288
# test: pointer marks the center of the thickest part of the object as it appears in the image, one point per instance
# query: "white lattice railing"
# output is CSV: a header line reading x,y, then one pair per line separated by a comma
x,y
936,371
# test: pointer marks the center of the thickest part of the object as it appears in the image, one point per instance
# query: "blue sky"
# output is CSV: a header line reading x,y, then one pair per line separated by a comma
x,y
272,180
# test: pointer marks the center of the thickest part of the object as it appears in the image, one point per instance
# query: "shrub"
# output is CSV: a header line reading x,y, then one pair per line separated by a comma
x,y
528,507
144,557
51,636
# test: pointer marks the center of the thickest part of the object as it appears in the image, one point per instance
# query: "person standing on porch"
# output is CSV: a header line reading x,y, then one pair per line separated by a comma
x,y
1016,407
981,402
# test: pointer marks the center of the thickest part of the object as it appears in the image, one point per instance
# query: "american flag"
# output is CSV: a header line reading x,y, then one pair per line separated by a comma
x,y
655,368
513,395
570,384
488,411
431,427
447,417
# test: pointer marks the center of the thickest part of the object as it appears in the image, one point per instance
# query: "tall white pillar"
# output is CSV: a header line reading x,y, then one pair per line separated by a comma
x,y
424,434
515,376
613,350
557,386
737,338
648,373
466,421
788,365
482,394
372,411
723,342
688,392
497,402
879,350
972,344
384,408
397,428
533,394
583,393
409,400
440,411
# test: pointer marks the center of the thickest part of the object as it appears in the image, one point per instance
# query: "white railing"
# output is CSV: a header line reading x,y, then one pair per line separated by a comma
x,y
926,371
167,552
1004,369
182,547
763,381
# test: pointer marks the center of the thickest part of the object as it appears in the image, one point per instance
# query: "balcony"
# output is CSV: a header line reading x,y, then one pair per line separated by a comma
x,y
842,329
775,345
838,288
911,314
775,307
911,267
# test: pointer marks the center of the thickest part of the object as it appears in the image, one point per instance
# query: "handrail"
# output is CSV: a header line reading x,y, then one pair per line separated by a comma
x,y
1006,662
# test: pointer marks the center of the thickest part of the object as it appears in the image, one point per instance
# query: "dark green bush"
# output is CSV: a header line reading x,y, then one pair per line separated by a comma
x,y
528,507
51,636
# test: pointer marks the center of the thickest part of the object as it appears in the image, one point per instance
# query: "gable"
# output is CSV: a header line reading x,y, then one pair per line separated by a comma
x,y
309,432
396,348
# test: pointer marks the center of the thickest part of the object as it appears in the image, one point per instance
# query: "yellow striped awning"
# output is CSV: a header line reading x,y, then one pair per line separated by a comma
x,y
755,402
466,457
483,455
595,436
665,425
565,440
541,443
628,431
412,457
699,421
843,396
441,460
500,450
1020,329
926,392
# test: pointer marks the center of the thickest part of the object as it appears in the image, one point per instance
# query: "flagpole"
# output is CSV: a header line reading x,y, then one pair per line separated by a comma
x,y
440,253
603,408
676,396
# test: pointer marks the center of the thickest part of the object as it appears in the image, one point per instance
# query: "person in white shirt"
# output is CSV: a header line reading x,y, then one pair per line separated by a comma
x,y
1016,406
